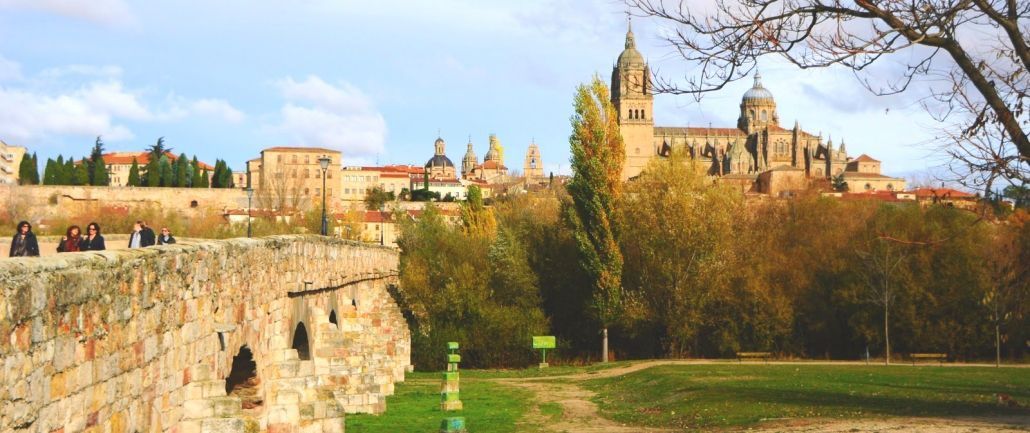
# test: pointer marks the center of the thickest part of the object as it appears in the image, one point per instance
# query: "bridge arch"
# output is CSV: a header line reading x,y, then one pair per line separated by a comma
x,y
194,323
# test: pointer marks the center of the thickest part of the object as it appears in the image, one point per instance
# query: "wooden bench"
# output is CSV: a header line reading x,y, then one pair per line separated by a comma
x,y
753,355
940,357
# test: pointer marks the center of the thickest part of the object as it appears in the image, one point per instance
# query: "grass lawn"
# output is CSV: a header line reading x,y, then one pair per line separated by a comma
x,y
415,408
735,395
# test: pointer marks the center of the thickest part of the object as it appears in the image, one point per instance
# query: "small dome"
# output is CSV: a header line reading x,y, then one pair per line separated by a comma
x,y
439,161
630,56
757,91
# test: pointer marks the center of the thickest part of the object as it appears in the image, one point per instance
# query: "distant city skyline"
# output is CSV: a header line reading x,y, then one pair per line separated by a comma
x,y
375,81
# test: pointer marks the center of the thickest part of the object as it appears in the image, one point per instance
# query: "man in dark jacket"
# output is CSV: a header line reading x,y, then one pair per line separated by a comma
x,y
24,243
147,237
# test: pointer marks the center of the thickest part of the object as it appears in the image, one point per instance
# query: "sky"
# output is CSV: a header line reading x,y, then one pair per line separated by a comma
x,y
377,80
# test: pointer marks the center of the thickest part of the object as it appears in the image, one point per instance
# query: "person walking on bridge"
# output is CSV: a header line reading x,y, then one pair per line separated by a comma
x,y
166,237
71,241
93,241
24,243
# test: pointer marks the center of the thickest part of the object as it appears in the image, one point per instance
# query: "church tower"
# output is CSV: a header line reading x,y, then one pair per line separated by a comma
x,y
757,108
469,161
534,166
633,100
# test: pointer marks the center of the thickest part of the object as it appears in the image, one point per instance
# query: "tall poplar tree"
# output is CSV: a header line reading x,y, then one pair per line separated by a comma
x,y
597,158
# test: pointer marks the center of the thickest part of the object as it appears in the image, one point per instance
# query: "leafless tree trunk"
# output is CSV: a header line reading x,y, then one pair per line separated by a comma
x,y
281,191
881,262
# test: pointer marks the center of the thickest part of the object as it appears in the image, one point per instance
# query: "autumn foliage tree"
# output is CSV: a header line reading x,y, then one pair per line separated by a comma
x,y
597,159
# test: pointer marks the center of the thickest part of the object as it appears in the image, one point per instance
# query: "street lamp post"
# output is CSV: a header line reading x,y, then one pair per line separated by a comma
x,y
324,162
250,196
382,224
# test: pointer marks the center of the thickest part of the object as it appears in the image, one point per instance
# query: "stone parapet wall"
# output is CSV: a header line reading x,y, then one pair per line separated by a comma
x,y
40,202
143,340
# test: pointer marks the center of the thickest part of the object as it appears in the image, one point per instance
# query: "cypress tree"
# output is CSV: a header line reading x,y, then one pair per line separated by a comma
x,y
80,173
226,180
25,170
218,177
153,172
35,169
182,171
59,177
167,177
133,174
70,172
204,183
50,172
195,167
98,174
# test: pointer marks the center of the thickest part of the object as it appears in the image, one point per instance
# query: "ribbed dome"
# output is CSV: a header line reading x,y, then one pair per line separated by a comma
x,y
630,56
757,91
439,161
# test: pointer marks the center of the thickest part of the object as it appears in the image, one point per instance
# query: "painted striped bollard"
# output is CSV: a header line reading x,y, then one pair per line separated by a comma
x,y
450,396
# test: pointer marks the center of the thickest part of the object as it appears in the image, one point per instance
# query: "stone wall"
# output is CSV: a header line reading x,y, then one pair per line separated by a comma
x,y
143,340
51,200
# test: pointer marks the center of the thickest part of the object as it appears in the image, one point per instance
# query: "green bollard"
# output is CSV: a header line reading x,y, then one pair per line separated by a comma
x,y
453,425
450,396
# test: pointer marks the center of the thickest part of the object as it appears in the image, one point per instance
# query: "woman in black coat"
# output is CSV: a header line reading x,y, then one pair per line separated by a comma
x,y
93,241
24,242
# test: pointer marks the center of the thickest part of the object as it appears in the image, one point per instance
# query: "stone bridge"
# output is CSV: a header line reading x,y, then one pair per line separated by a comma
x,y
281,334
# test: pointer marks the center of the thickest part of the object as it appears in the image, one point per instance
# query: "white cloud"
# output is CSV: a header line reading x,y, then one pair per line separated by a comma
x,y
26,116
107,71
108,12
37,111
339,117
218,108
9,69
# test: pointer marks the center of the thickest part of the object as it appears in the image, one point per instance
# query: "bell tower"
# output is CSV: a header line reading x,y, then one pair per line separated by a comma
x,y
633,99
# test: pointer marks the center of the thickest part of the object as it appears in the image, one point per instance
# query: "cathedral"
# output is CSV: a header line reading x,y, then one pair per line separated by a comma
x,y
757,149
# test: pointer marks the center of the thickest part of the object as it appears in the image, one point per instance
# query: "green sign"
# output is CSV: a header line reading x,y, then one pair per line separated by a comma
x,y
452,345
543,342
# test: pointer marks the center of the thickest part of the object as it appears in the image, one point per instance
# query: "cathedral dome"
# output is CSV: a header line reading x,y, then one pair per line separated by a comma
x,y
757,91
439,161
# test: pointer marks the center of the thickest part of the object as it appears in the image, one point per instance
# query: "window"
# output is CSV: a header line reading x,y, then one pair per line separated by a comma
x,y
764,116
890,187
638,151
294,159
868,187
307,173
643,114
278,158
307,159
329,173
306,191
318,191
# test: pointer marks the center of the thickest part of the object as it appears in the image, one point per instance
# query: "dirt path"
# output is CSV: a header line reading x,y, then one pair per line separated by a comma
x,y
581,415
